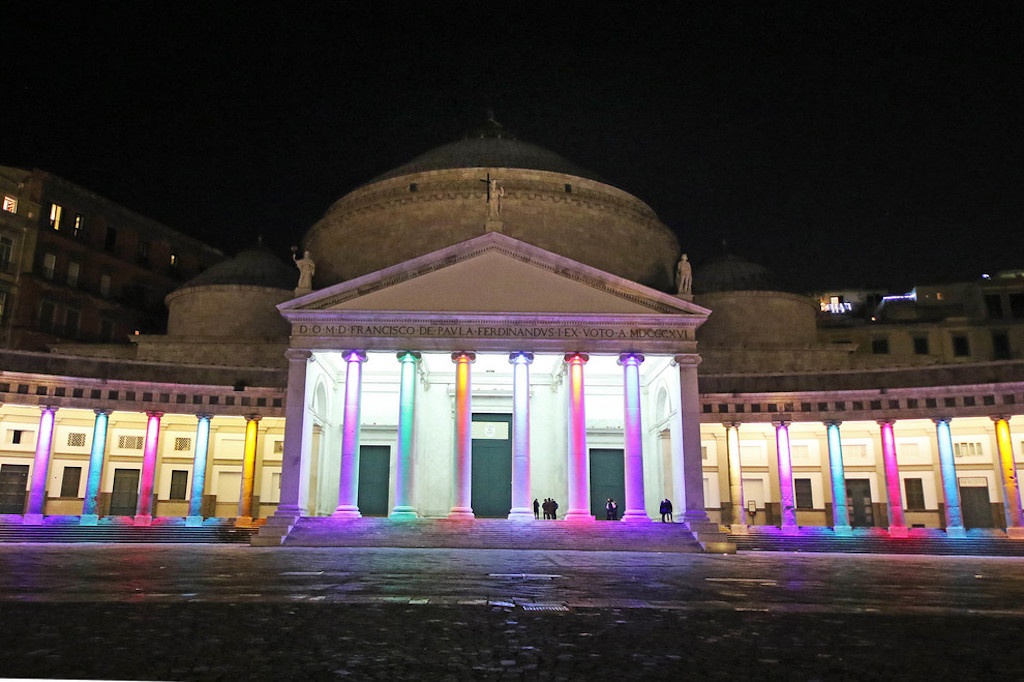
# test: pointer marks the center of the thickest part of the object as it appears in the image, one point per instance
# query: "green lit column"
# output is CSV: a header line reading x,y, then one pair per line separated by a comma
x,y
404,508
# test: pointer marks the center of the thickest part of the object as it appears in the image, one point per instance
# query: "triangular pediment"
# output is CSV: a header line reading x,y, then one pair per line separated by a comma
x,y
494,273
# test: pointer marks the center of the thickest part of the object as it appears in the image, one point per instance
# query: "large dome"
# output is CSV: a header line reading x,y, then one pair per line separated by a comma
x,y
440,198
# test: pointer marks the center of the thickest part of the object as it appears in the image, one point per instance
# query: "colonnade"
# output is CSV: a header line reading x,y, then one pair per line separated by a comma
x,y
953,512
299,428
143,516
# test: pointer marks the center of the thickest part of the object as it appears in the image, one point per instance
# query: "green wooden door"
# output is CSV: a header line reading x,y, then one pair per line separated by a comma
x,y
492,465
124,498
374,479
607,479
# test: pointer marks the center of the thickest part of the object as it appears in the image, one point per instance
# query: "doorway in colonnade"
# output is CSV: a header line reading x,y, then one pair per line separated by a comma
x,y
607,479
491,494
374,479
13,484
124,497
976,503
858,501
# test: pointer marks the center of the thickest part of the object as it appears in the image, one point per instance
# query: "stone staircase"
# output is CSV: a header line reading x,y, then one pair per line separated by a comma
x,y
66,529
878,541
483,534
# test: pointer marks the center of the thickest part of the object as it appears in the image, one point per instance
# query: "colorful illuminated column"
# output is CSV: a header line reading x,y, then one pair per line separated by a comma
x,y
950,484
404,508
1011,486
840,511
195,505
786,500
732,445
252,422
522,507
40,467
462,505
348,486
897,523
91,504
298,438
578,469
694,514
635,506
144,511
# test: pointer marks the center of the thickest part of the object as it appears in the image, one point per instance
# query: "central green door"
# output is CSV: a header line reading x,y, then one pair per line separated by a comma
x,y
607,479
492,465
374,479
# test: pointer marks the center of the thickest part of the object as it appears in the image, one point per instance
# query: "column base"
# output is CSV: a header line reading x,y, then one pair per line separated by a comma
x,y
32,520
403,513
842,530
739,529
88,520
243,522
284,517
142,520
790,530
461,514
1015,533
696,516
578,516
521,515
193,521
636,516
898,532
346,511
955,532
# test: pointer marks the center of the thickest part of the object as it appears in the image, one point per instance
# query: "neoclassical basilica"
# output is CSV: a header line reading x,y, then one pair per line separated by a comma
x,y
489,325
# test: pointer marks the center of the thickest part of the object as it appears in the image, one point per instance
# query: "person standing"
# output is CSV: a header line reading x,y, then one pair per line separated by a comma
x,y
554,509
536,508
668,505
663,509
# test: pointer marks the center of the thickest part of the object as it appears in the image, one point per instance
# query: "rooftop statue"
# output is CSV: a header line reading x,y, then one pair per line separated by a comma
x,y
306,268
684,275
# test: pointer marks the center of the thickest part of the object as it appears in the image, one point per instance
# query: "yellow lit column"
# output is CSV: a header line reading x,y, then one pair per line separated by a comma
x,y
248,470
736,503
1011,486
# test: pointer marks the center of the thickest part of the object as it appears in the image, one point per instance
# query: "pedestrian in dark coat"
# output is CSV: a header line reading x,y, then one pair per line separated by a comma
x,y
536,508
663,509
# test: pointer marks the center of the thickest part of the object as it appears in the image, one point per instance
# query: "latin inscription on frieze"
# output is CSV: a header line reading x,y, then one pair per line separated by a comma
x,y
490,331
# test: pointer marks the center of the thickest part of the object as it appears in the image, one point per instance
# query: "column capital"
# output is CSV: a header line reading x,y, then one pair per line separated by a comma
x,y
731,425
48,408
520,356
459,354
582,357
295,354
625,358
103,410
690,359
940,420
354,355
408,356
781,422
883,422
204,415
154,413
253,417
999,417
833,422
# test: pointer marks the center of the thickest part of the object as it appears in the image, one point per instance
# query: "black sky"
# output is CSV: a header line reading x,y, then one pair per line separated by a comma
x,y
837,143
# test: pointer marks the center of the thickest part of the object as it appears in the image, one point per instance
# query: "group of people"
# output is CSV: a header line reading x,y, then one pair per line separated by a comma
x,y
611,510
666,510
549,506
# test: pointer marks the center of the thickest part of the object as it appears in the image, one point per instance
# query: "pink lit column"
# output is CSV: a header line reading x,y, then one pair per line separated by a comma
x,y
786,500
144,511
404,508
1011,484
578,469
636,508
40,467
462,505
348,487
897,523
522,508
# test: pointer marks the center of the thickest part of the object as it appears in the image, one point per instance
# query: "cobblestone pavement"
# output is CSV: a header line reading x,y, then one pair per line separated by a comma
x,y
228,613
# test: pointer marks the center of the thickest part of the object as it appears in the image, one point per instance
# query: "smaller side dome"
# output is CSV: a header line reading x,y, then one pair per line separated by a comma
x,y
255,266
730,272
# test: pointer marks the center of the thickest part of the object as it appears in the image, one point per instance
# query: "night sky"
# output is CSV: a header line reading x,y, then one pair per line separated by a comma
x,y
838,143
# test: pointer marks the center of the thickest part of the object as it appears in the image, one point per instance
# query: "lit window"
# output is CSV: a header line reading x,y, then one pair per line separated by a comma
x,y
49,265
174,261
79,230
55,211
10,204
73,269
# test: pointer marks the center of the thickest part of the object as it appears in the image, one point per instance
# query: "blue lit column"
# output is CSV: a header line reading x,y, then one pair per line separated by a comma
x,y
840,511
635,506
195,506
522,508
41,467
404,508
950,484
91,505
785,456
348,487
